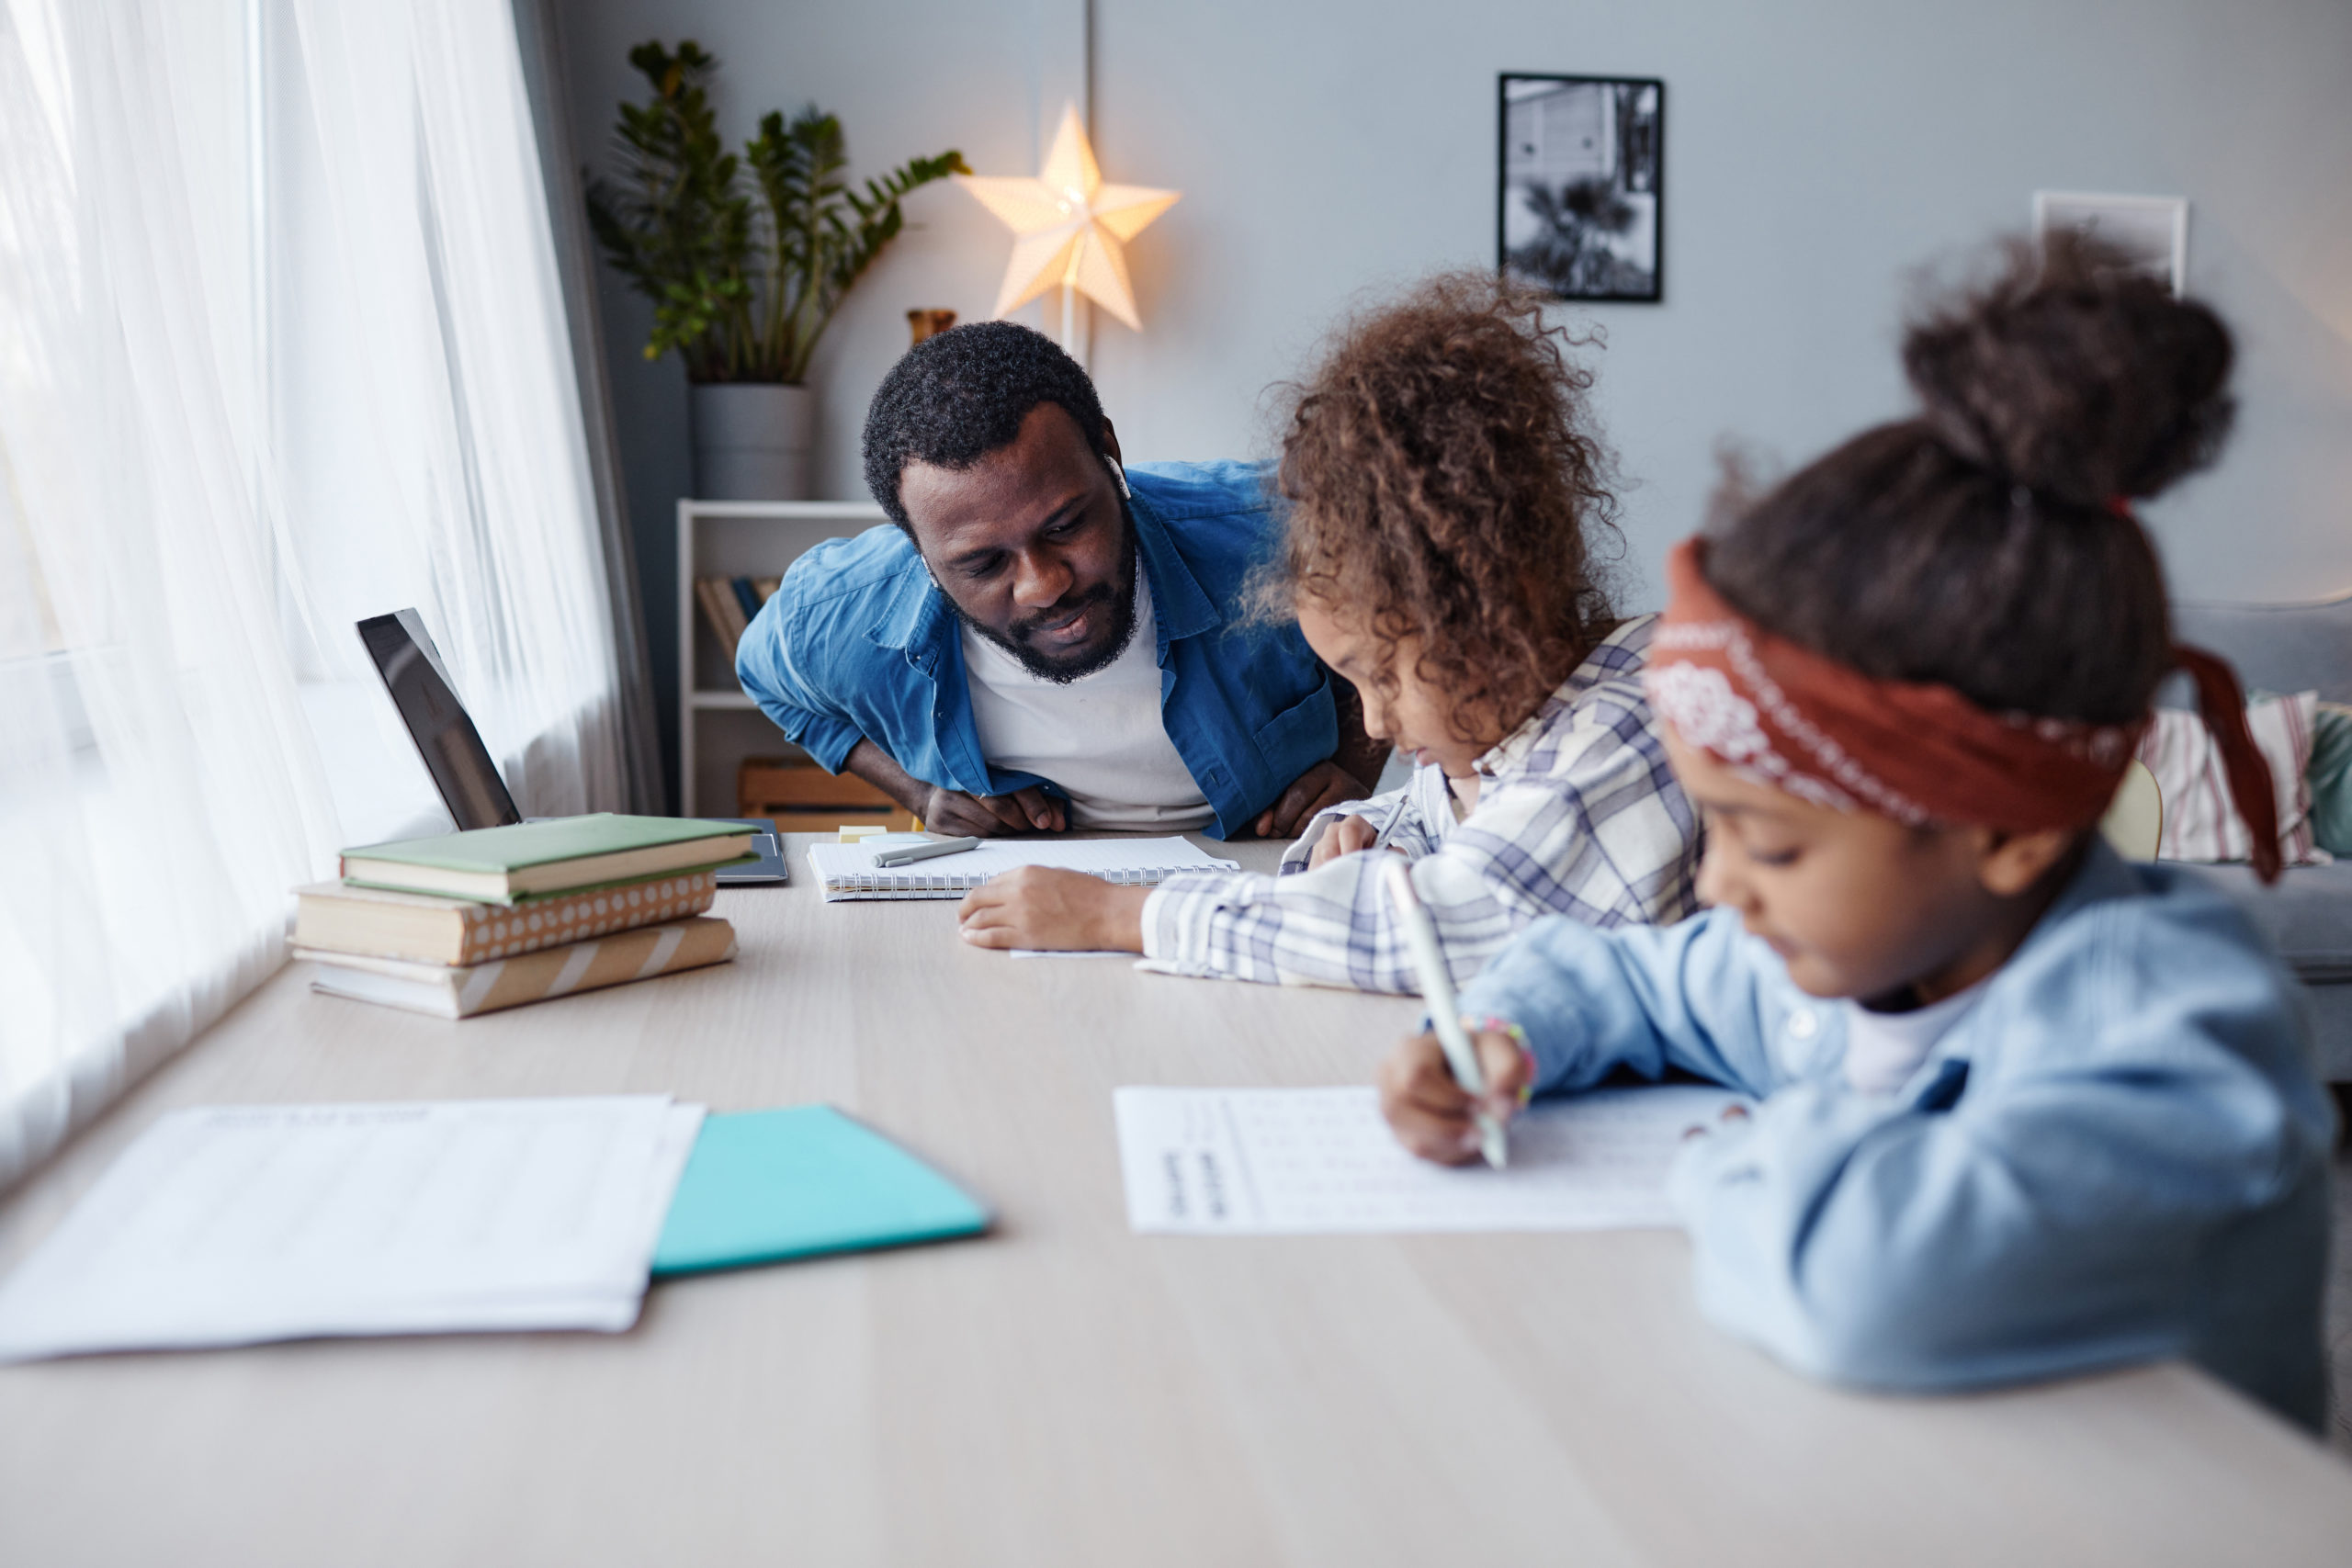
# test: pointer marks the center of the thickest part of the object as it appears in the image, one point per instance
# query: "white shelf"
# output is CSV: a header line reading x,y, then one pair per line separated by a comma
x,y
718,724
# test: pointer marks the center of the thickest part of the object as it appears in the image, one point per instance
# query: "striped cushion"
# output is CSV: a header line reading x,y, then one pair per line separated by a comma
x,y
2200,823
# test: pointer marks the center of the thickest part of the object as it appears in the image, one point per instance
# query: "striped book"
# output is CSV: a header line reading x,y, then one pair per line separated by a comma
x,y
452,992
426,927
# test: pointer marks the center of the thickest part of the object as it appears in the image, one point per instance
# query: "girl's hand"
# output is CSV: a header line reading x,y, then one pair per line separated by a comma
x,y
1344,837
1431,1114
1039,907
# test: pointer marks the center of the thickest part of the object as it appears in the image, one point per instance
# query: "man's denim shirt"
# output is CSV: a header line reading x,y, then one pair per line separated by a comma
x,y
859,643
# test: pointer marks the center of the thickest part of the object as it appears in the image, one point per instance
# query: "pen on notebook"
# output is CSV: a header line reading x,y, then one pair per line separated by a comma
x,y
911,853
1445,1013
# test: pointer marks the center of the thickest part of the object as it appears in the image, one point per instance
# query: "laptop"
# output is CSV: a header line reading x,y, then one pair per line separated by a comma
x,y
453,754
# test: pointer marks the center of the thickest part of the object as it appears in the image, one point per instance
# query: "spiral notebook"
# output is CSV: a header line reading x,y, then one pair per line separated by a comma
x,y
847,872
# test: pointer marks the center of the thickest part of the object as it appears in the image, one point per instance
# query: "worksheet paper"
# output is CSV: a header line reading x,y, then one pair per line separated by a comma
x,y
1303,1161
236,1225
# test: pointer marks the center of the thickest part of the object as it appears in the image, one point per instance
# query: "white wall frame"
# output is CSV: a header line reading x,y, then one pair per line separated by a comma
x,y
718,724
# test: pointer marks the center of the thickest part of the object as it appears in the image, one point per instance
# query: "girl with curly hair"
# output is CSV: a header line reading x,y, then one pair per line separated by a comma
x,y
1443,480
2026,1110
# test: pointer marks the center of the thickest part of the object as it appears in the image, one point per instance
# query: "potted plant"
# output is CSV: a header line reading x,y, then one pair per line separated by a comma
x,y
743,281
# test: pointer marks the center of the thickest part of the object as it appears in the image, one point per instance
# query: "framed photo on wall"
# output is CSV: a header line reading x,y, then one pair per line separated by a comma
x,y
1580,192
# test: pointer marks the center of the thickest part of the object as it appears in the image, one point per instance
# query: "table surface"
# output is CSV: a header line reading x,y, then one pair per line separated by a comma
x,y
1062,1391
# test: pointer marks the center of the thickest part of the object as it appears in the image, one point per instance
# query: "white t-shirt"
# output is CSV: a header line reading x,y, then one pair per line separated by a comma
x,y
1101,738
1884,1049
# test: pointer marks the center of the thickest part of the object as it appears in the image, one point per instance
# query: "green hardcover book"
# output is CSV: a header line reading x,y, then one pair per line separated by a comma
x,y
499,865
763,1186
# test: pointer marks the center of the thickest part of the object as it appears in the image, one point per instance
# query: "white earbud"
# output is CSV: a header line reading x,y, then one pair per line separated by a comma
x,y
1119,476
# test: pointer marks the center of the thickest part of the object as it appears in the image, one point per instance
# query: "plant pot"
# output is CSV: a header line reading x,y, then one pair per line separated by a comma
x,y
751,440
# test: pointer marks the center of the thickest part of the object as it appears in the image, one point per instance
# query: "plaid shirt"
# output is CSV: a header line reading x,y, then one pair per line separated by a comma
x,y
1578,815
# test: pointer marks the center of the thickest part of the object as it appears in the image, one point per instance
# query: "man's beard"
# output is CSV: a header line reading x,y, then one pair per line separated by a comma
x,y
1119,593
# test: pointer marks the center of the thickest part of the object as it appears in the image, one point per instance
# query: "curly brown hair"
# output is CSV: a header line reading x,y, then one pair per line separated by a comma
x,y
1444,479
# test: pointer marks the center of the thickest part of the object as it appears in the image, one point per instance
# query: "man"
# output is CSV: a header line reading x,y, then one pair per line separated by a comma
x,y
1041,639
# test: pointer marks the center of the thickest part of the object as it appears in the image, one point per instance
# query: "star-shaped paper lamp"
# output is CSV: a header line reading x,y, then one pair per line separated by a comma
x,y
1068,227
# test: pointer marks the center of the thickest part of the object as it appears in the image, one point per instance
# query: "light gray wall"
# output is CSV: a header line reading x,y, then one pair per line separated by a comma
x,y
1818,153
908,78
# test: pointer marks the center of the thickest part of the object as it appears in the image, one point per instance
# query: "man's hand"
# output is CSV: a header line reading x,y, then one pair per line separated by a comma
x,y
1030,810
1431,1114
1344,837
1324,784
1039,907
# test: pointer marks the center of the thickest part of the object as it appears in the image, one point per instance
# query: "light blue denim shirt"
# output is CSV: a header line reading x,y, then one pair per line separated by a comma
x,y
859,643
2118,1154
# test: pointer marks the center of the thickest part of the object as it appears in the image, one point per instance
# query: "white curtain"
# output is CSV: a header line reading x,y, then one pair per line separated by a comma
x,y
281,345
539,34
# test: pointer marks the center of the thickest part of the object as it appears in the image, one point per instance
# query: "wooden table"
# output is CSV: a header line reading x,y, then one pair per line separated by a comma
x,y
1063,1391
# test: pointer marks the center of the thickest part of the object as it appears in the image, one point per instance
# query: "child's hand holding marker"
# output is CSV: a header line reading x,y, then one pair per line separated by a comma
x,y
1350,834
1344,837
1430,1112
1452,1031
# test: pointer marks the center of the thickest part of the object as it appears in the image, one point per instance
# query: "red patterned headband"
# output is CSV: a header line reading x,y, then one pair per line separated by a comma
x,y
1806,725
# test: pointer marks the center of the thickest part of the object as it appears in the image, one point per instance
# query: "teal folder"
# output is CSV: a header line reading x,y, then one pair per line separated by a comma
x,y
762,1185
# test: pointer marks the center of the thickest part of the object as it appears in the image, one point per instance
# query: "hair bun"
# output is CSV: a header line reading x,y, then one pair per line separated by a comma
x,y
2074,377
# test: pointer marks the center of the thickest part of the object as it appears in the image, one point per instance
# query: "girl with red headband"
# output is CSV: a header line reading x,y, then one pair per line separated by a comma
x,y
2025,1110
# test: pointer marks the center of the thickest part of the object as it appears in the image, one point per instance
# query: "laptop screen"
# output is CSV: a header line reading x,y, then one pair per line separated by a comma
x,y
445,736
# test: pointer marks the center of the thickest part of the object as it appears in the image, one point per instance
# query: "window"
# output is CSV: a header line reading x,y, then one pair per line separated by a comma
x,y
281,345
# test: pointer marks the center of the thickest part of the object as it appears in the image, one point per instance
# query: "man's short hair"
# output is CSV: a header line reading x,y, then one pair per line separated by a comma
x,y
959,395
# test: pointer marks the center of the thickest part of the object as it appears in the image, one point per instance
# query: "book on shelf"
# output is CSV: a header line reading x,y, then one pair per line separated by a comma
x,y
428,928
565,854
720,611
729,603
747,597
449,991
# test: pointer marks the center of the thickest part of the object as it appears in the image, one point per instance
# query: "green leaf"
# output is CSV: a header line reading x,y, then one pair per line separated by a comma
x,y
672,216
741,290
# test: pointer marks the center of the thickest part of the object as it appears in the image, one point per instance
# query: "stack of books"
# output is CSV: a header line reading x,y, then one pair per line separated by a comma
x,y
730,603
472,922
